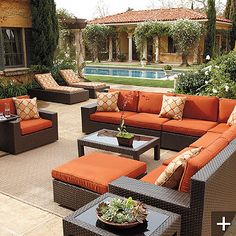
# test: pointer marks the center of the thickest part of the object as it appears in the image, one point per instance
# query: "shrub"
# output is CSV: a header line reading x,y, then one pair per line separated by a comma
x,y
167,67
217,78
11,88
121,57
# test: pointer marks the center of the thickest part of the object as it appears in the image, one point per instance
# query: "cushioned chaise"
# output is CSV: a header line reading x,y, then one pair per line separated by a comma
x,y
74,81
53,92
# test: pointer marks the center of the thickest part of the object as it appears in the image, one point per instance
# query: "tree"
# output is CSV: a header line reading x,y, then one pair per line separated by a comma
x,y
186,35
230,13
101,9
211,29
44,32
95,36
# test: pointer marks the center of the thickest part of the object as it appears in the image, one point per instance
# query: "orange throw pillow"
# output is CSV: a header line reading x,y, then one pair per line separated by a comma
x,y
26,109
232,119
171,176
172,107
107,101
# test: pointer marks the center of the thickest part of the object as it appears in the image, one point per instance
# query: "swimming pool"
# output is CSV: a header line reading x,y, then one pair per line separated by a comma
x,y
124,72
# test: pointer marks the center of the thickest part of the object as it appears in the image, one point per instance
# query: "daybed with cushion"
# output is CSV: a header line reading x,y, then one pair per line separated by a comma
x,y
73,80
51,91
19,136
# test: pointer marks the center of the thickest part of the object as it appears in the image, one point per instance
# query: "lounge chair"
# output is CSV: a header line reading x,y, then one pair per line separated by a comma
x,y
73,80
53,92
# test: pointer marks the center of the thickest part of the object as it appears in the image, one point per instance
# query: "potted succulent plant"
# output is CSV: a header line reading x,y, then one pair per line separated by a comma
x,y
124,138
168,70
122,213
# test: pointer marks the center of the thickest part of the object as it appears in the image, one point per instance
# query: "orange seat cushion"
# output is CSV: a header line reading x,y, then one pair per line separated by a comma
x,y
11,102
146,120
229,134
131,98
167,161
199,161
187,126
220,128
226,107
152,176
110,117
150,102
206,140
96,170
201,107
34,125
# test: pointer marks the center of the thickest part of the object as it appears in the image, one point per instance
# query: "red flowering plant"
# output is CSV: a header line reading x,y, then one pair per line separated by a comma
x,y
123,133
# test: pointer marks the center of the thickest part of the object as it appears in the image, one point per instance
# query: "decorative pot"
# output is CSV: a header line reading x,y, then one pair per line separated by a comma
x,y
168,73
119,226
127,142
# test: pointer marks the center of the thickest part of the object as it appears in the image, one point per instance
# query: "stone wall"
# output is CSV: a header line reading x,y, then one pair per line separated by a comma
x,y
15,13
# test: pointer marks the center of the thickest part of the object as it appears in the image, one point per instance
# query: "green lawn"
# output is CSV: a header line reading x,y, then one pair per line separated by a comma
x,y
132,81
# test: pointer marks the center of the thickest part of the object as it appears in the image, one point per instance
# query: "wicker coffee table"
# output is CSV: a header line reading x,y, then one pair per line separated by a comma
x,y
84,222
106,140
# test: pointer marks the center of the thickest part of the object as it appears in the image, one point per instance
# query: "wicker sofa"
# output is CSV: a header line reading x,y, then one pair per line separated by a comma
x,y
20,136
208,183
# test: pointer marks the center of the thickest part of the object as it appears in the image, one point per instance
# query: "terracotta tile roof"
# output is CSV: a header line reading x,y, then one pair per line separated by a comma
x,y
170,14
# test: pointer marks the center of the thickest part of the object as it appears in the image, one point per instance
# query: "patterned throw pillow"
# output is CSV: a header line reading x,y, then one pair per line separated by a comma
x,y
46,81
172,175
232,119
107,101
172,107
26,109
69,76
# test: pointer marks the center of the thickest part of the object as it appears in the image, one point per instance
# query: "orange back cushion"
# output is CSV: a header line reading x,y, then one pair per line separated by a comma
x,y
11,102
150,102
199,161
201,107
226,107
130,96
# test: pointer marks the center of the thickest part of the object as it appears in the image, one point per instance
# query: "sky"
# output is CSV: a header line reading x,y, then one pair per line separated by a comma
x,y
86,8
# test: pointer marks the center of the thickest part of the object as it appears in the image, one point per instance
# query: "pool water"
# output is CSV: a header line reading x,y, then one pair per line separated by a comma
x,y
133,73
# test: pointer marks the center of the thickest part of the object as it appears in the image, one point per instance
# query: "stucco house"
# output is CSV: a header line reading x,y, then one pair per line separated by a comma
x,y
162,49
15,24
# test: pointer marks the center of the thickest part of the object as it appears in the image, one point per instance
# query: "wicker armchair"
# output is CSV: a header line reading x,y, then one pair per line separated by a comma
x,y
12,140
213,188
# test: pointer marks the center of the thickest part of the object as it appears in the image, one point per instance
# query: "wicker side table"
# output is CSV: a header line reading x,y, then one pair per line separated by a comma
x,y
84,222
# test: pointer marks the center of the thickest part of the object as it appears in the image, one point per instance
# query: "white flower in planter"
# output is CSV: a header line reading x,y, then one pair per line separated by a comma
x,y
226,88
206,72
214,90
208,58
206,82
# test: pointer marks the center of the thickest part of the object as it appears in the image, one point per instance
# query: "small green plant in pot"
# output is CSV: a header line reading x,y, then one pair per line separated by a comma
x,y
123,136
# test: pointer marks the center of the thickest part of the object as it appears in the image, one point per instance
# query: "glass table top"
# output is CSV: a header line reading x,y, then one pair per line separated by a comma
x,y
109,137
153,222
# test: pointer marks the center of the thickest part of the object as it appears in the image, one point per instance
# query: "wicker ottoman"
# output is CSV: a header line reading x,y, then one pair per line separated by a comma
x,y
83,179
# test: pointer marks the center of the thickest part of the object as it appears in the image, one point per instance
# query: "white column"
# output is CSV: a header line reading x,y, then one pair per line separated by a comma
x,y
130,37
157,59
145,50
110,50
79,48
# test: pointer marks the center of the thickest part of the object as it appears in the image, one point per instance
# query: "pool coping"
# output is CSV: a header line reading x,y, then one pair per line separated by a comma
x,y
135,68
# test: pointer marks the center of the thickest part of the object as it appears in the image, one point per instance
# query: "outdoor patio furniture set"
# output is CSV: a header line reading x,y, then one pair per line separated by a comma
x,y
207,183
